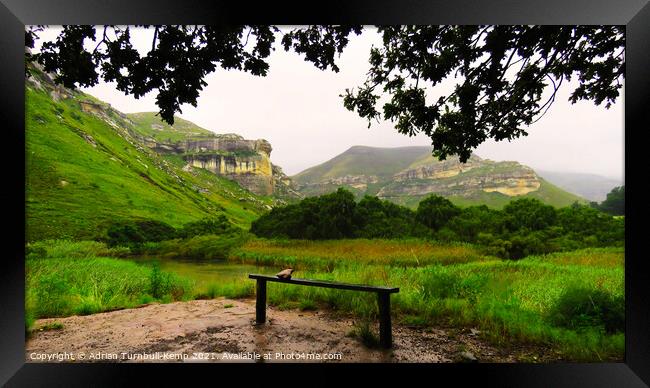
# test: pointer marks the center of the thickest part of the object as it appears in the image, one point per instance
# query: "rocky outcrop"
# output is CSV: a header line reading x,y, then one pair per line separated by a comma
x,y
252,171
359,182
248,162
511,184
441,169
452,178
283,186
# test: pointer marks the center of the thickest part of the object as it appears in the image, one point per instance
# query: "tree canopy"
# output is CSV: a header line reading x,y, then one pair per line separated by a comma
x,y
523,227
614,203
506,77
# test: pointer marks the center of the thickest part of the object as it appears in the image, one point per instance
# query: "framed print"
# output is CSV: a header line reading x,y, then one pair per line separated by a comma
x,y
380,188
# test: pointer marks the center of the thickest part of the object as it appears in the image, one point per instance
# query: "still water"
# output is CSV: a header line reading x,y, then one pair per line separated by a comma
x,y
205,272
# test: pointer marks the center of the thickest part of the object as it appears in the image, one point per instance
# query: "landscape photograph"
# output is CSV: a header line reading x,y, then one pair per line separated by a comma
x,y
318,193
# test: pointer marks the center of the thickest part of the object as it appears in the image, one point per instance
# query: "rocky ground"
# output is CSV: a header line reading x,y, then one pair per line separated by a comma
x,y
223,330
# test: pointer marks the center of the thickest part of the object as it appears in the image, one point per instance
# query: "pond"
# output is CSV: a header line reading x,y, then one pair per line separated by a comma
x,y
205,272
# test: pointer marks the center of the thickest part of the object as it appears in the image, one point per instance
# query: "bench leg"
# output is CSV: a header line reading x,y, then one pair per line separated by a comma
x,y
385,335
260,304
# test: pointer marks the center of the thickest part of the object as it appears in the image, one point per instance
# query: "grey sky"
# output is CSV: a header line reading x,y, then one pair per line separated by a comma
x,y
297,108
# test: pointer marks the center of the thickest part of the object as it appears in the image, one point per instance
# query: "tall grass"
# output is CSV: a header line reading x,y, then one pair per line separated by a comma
x,y
208,247
76,249
71,285
325,255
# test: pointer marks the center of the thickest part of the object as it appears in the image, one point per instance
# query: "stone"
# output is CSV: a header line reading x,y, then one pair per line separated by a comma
x,y
467,357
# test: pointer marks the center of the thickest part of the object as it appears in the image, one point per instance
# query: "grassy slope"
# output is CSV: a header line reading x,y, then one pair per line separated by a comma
x,y
74,188
363,160
181,130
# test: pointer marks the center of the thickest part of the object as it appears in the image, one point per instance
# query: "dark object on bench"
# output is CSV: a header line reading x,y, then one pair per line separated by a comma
x,y
383,299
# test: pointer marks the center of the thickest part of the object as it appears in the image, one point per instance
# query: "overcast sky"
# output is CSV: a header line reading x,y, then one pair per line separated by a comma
x,y
297,108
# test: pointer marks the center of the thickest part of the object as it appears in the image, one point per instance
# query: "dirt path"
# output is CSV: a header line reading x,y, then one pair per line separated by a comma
x,y
223,330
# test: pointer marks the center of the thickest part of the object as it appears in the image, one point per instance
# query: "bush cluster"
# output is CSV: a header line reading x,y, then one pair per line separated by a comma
x,y
523,227
133,234
583,308
337,216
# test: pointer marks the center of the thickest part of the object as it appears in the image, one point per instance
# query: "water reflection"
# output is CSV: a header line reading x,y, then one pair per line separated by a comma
x,y
205,272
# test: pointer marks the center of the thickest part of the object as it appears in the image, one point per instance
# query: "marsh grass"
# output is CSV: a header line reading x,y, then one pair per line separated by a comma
x,y
66,286
205,247
328,254
73,249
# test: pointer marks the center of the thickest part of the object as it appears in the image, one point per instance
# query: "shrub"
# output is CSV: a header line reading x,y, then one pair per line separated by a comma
x,y
529,213
524,227
165,285
375,218
329,216
522,245
580,308
615,202
130,233
217,225
155,230
207,247
435,211
439,284
475,220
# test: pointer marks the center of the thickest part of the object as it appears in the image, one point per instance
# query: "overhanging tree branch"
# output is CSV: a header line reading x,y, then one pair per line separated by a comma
x,y
485,104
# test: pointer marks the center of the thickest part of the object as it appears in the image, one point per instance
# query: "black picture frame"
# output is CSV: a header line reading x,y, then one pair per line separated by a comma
x,y
635,14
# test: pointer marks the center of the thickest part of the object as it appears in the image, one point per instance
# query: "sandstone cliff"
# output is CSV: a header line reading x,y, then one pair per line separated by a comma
x,y
248,162
452,178
244,161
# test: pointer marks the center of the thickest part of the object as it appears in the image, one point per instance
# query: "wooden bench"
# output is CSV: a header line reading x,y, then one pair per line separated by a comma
x,y
383,299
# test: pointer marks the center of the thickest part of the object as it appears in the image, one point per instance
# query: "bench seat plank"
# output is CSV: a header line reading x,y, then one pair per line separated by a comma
x,y
326,284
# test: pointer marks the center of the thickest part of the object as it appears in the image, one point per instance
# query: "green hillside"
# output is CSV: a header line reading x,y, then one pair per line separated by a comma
x,y
85,170
358,164
362,160
149,124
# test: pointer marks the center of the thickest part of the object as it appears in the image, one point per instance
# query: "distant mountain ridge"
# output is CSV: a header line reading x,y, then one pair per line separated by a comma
x,y
406,175
590,186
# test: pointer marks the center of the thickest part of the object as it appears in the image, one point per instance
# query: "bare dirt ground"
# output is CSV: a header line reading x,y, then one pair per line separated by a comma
x,y
223,330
